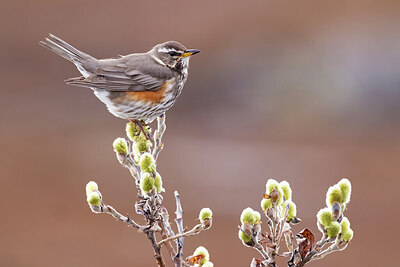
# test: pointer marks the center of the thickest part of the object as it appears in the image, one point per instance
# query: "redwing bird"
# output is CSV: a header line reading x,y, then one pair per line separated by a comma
x,y
137,87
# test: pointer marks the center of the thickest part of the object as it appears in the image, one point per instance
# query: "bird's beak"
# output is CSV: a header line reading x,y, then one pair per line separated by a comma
x,y
190,52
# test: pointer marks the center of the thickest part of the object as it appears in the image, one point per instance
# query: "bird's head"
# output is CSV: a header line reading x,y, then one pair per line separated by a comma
x,y
172,54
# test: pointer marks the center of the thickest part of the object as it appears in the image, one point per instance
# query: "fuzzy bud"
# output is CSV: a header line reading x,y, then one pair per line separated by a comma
x,y
347,232
345,224
271,185
94,199
147,163
324,216
246,240
266,204
333,195
205,213
347,235
142,146
158,183
250,216
120,146
287,191
292,210
208,264
146,182
202,251
132,131
333,229
91,186
345,187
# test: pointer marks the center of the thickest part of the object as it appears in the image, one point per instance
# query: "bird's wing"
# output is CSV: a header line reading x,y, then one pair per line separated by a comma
x,y
119,77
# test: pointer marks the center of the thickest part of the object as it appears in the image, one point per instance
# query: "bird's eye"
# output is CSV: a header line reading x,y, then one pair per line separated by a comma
x,y
173,53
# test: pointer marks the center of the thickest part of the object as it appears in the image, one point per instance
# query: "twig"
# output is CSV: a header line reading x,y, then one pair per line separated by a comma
x,y
318,254
157,254
261,250
337,246
179,224
127,161
107,209
282,225
166,231
194,231
158,146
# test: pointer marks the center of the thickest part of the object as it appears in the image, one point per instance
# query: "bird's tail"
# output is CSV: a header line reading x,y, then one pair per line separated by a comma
x,y
64,49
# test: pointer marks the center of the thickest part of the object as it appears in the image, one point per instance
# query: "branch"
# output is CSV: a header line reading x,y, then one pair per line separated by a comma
x,y
107,209
194,231
158,145
318,254
179,224
157,254
166,232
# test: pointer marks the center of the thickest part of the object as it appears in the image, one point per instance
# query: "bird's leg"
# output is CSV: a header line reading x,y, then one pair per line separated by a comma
x,y
141,123
148,135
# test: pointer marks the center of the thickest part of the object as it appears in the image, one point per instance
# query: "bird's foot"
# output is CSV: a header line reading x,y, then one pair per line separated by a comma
x,y
141,125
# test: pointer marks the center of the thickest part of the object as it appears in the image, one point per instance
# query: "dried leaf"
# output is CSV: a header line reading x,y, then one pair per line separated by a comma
x,y
196,259
257,263
304,248
309,236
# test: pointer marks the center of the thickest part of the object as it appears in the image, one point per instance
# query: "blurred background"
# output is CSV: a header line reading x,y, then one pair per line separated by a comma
x,y
307,91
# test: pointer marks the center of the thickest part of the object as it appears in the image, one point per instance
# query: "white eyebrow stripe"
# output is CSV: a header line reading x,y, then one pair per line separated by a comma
x,y
159,61
166,50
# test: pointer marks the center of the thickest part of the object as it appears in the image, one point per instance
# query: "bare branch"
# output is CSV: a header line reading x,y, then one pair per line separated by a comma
x,y
161,127
107,209
179,224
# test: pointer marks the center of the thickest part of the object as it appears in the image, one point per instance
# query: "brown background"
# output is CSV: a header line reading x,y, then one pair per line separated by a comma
x,y
306,91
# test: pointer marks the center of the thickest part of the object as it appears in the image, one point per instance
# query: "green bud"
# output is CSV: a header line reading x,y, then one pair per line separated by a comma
x,y
333,229
158,183
266,204
292,210
132,131
208,264
205,213
345,187
287,191
142,146
120,146
146,182
90,187
94,199
202,251
345,224
333,195
250,216
347,235
325,216
245,238
271,185
147,163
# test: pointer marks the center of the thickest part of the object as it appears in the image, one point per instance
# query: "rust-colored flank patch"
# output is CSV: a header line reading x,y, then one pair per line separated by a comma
x,y
149,96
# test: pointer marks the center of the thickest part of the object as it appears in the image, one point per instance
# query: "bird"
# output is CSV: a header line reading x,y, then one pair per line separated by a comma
x,y
138,87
